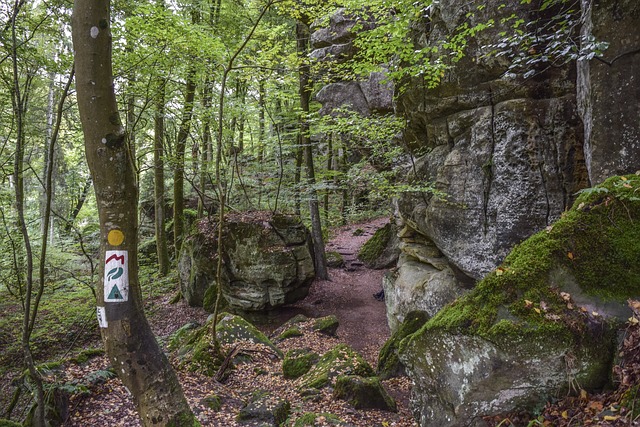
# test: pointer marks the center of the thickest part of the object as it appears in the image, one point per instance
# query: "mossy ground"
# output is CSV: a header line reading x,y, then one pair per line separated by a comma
x,y
298,362
598,241
311,419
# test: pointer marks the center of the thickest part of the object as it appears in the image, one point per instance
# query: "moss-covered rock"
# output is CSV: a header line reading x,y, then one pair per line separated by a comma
x,y
541,322
311,419
212,402
265,409
192,345
327,325
232,328
341,360
289,333
364,393
381,250
334,259
267,261
298,362
389,364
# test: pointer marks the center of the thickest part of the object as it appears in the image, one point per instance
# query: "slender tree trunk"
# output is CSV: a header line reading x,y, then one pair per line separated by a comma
x,y
19,103
327,191
302,37
158,182
129,342
79,204
178,172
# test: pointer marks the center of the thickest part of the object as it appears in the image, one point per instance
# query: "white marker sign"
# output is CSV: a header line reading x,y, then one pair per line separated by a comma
x,y
116,276
102,317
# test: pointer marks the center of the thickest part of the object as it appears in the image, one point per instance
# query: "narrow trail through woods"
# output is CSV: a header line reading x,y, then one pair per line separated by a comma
x,y
348,295
349,292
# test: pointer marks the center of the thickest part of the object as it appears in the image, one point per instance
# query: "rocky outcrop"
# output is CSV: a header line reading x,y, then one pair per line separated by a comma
x,y
608,89
267,262
334,43
539,324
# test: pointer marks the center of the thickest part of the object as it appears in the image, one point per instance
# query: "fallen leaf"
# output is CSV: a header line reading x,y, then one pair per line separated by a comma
x,y
537,310
633,320
611,417
624,178
565,415
528,303
499,272
570,255
565,296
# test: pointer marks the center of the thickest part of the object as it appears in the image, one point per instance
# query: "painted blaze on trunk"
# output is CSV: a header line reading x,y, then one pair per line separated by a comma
x,y
128,340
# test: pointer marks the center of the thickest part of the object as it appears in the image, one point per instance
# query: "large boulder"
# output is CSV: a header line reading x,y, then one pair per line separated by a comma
x,y
267,262
541,324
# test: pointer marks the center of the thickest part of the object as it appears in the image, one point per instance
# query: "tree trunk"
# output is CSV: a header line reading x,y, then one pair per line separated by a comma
x,y
178,172
129,342
302,37
158,182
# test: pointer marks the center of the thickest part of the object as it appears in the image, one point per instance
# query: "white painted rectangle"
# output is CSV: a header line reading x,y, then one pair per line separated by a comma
x,y
116,276
102,317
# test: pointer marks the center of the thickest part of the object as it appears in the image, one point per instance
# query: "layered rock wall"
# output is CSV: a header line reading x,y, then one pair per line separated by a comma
x,y
506,151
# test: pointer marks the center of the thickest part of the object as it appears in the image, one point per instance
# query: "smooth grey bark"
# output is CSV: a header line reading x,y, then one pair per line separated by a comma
x,y
127,337
158,181
302,37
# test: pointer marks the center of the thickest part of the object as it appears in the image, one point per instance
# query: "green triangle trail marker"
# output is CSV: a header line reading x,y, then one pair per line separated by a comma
x,y
115,294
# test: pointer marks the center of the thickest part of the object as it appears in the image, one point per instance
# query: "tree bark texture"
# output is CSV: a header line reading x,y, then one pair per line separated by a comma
x,y
178,172
129,342
158,182
302,37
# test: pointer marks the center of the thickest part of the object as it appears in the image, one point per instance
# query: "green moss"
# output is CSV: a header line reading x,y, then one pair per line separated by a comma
x,y
290,333
309,419
209,299
213,402
298,362
388,363
183,419
8,423
340,360
363,393
597,241
87,354
232,328
334,259
375,246
327,325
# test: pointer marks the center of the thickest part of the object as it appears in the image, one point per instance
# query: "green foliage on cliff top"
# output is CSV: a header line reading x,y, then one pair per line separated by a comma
x,y
597,242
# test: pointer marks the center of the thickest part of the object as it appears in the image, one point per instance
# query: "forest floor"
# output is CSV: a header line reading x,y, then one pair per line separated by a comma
x,y
363,325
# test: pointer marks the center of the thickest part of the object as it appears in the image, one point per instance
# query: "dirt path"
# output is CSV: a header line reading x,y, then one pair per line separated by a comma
x,y
348,295
349,292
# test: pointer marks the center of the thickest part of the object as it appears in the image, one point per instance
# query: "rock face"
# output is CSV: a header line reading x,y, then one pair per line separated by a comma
x,y
335,43
267,262
537,325
608,91
506,152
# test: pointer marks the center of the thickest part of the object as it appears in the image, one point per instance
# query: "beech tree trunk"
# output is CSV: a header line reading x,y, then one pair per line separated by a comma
x,y
129,342
158,181
302,36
